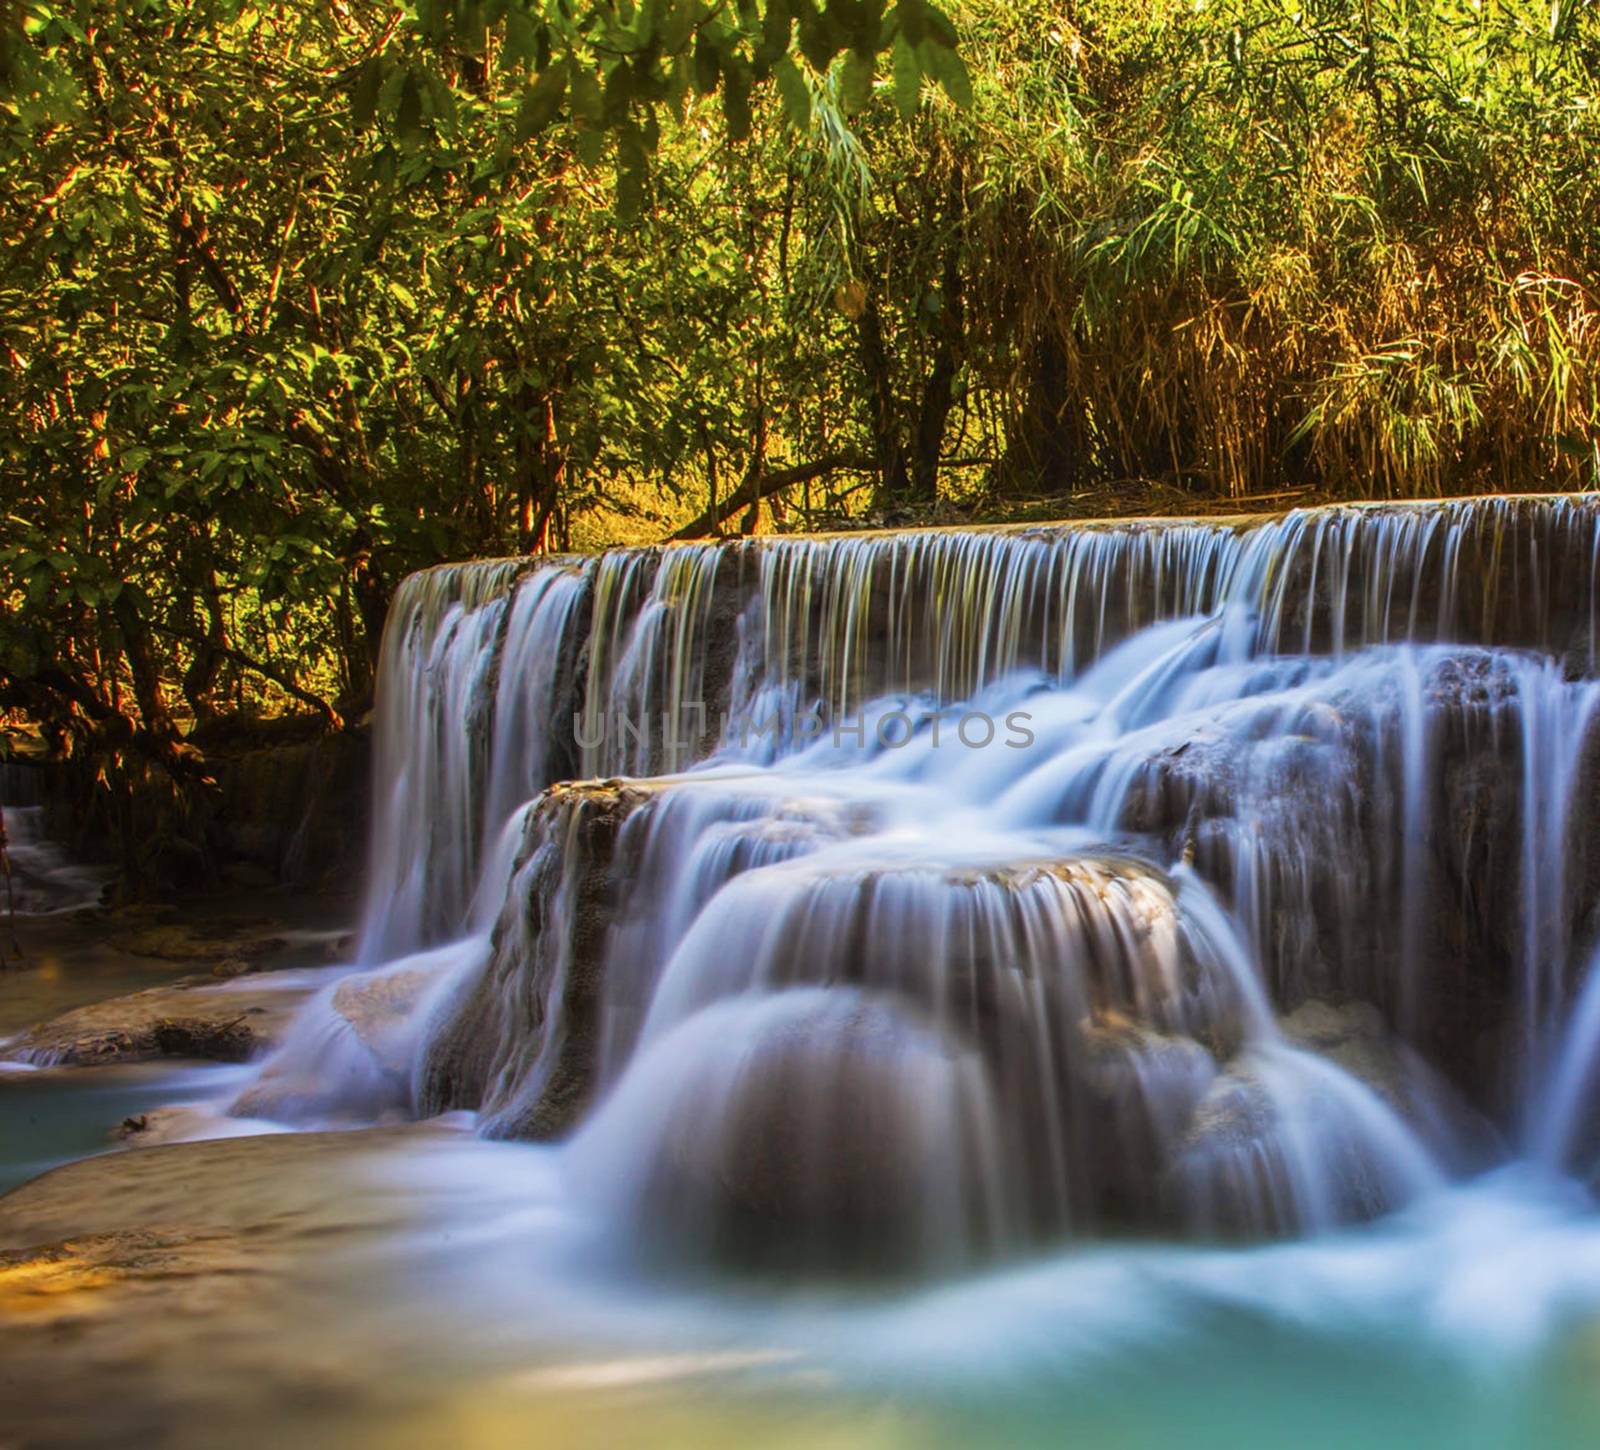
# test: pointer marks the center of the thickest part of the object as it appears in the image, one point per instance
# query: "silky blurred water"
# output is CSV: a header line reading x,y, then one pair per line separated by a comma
x,y
413,1284
1472,1319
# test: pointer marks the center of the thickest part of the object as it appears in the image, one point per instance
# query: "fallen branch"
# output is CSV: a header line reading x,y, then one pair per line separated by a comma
x,y
762,485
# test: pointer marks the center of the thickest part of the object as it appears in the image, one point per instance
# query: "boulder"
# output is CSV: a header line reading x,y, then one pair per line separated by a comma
x,y
193,1017
352,1052
806,1129
1283,1142
1355,1037
520,1042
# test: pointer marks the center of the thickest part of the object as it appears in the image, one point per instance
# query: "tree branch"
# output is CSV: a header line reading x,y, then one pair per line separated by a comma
x,y
758,486
285,681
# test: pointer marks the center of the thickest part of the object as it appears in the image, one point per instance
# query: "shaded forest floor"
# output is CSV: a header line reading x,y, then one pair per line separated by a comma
x,y
1131,499
645,521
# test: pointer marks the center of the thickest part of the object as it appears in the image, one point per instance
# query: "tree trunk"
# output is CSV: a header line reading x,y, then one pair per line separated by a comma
x,y
883,415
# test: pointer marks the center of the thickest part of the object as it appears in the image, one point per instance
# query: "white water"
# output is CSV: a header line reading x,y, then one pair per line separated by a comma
x,y
1193,959
44,878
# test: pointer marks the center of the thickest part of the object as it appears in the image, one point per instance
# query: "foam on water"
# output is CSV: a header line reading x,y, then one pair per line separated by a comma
x,y
1170,951
44,879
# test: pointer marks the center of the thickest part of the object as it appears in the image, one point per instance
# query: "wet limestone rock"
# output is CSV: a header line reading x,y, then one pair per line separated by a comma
x,y
231,947
194,1017
520,1042
355,1062
152,1296
805,1129
1250,1167
1355,1037
1312,1130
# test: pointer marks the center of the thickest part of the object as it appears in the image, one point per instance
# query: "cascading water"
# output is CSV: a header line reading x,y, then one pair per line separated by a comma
x,y
43,877
469,668
1012,886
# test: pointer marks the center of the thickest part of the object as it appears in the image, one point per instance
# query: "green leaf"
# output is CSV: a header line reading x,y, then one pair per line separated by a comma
x,y
776,25
942,27
408,113
946,67
541,102
442,105
364,98
818,41
910,18
591,144
632,169
587,102
795,92
907,73
736,100
521,45
856,81
679,82
618,93
707,66
678,27
389,92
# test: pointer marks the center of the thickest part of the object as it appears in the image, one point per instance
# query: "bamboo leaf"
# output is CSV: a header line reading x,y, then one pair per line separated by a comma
x,y
541,102
796,94
856,81
907,74
948,69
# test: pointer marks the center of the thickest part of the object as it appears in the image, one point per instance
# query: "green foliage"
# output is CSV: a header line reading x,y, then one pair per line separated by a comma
x,y
295,298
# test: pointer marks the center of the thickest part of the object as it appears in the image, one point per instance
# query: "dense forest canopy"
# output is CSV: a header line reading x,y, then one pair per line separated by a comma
x,y
295,298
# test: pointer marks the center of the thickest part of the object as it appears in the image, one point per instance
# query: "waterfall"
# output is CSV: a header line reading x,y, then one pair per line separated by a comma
x,y
922,897
1564,1124
44,879
470,673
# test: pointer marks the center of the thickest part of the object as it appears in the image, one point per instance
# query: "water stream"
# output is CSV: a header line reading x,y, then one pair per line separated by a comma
x,y
1003,888
43,879
1120,983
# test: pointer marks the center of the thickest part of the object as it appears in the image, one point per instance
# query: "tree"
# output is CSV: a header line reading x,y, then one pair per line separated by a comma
x,y
296,298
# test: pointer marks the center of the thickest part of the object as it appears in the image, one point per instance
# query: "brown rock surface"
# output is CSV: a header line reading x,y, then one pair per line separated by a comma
x,y
193,1017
